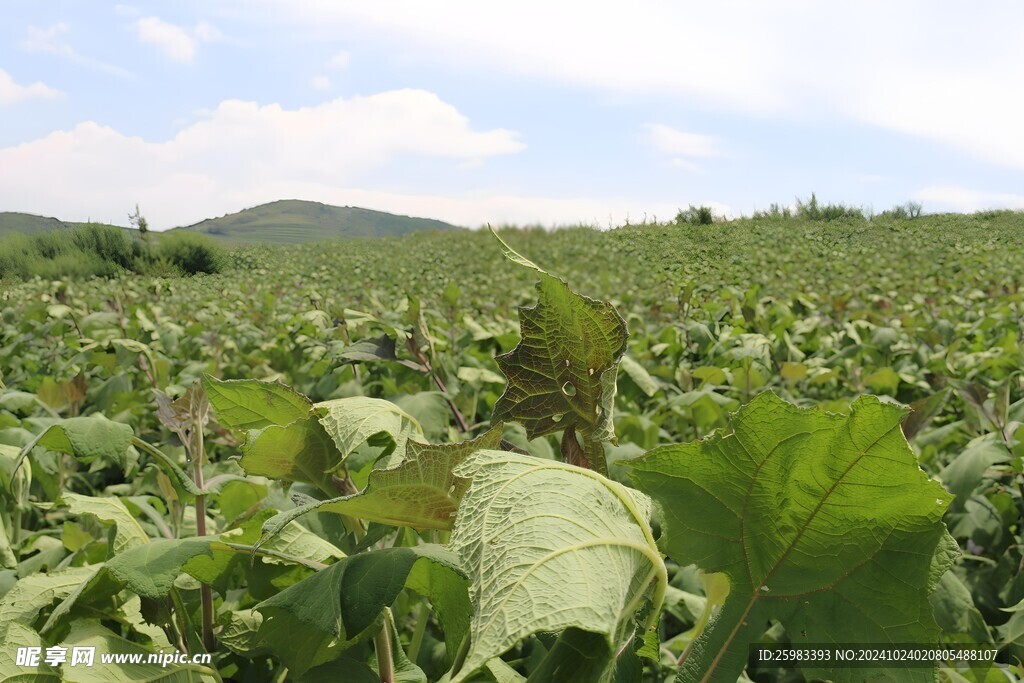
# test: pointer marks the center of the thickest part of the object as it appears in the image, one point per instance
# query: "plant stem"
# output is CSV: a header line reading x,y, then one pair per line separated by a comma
x,y
382,646
425,362
205,592
422,618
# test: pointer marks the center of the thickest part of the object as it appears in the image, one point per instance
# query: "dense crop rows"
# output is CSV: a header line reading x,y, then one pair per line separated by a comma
x,y
928,312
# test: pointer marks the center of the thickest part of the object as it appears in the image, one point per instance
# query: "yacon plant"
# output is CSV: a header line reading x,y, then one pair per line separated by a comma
x,y
819,524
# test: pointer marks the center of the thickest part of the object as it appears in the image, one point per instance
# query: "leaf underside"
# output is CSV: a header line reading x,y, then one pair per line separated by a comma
x,y
550,547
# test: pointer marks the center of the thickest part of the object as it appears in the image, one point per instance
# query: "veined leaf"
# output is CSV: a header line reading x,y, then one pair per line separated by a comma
x,y
353,421
150,570
422,492
92,634
551,547
822,521
313,621
299,451
128,532
561,376
32,593
86,438
253,404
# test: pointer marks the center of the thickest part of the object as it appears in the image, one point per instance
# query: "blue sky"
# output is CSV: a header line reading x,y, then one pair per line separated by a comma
x,y
524,112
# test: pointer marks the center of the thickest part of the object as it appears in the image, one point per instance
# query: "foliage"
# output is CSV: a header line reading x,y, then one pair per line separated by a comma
x,y
812,210
191,253
310,517
696,215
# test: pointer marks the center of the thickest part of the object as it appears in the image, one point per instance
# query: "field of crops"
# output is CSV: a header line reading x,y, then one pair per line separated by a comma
x,y
339,524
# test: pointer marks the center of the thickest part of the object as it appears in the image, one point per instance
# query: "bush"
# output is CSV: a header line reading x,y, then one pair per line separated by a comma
x,y
191,253
903,211
814,211
696,215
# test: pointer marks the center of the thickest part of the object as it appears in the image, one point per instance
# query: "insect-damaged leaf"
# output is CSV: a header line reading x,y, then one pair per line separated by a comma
x,y
551,547
822,521
561,376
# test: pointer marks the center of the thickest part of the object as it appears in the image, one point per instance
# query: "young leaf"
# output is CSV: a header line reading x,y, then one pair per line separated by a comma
x,y
550,547
253,404
561,376
822,521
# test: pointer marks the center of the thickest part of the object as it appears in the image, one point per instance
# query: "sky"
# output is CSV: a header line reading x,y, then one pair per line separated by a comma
x,y
529,112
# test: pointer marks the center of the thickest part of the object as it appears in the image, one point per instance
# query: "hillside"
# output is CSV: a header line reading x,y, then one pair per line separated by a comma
x,y
294,221
27,223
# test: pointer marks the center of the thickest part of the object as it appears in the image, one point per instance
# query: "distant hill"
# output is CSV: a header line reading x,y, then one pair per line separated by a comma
x,y
293,220
13,221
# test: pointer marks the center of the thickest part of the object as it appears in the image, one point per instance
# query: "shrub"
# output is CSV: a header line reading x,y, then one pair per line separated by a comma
x,y
903,211
696,215
191,252
814,211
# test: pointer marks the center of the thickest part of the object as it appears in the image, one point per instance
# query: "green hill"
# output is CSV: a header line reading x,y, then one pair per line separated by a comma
x,y
294,221
30,224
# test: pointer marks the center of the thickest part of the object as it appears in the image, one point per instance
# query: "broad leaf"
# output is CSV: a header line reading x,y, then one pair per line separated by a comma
x,y
299,451
561,376
820,520
422,492
33,593
92,634
86,438
551,547
150,570
128,532
351,422
252,404
312,621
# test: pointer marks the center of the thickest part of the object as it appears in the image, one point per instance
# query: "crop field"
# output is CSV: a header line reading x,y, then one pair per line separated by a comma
x,y
646,454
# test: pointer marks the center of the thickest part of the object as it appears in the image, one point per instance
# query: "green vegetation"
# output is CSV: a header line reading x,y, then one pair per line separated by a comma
x,y
293,221
413,459
103,251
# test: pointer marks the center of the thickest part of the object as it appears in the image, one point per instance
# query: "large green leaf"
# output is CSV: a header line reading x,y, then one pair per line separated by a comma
x,y
820,520
299,451
561,376
313,621
87,439
150,570
128,532
33,593
422,492
550,547
253,404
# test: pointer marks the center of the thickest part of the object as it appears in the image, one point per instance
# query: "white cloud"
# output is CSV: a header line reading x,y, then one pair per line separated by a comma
x,y
339,60
964,199
177,43
50,40
320,82
11,92
243,154
681,146
951,76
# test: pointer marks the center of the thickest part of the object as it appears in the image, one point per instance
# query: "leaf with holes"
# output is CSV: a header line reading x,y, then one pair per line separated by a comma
x,y
822,521
561,376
